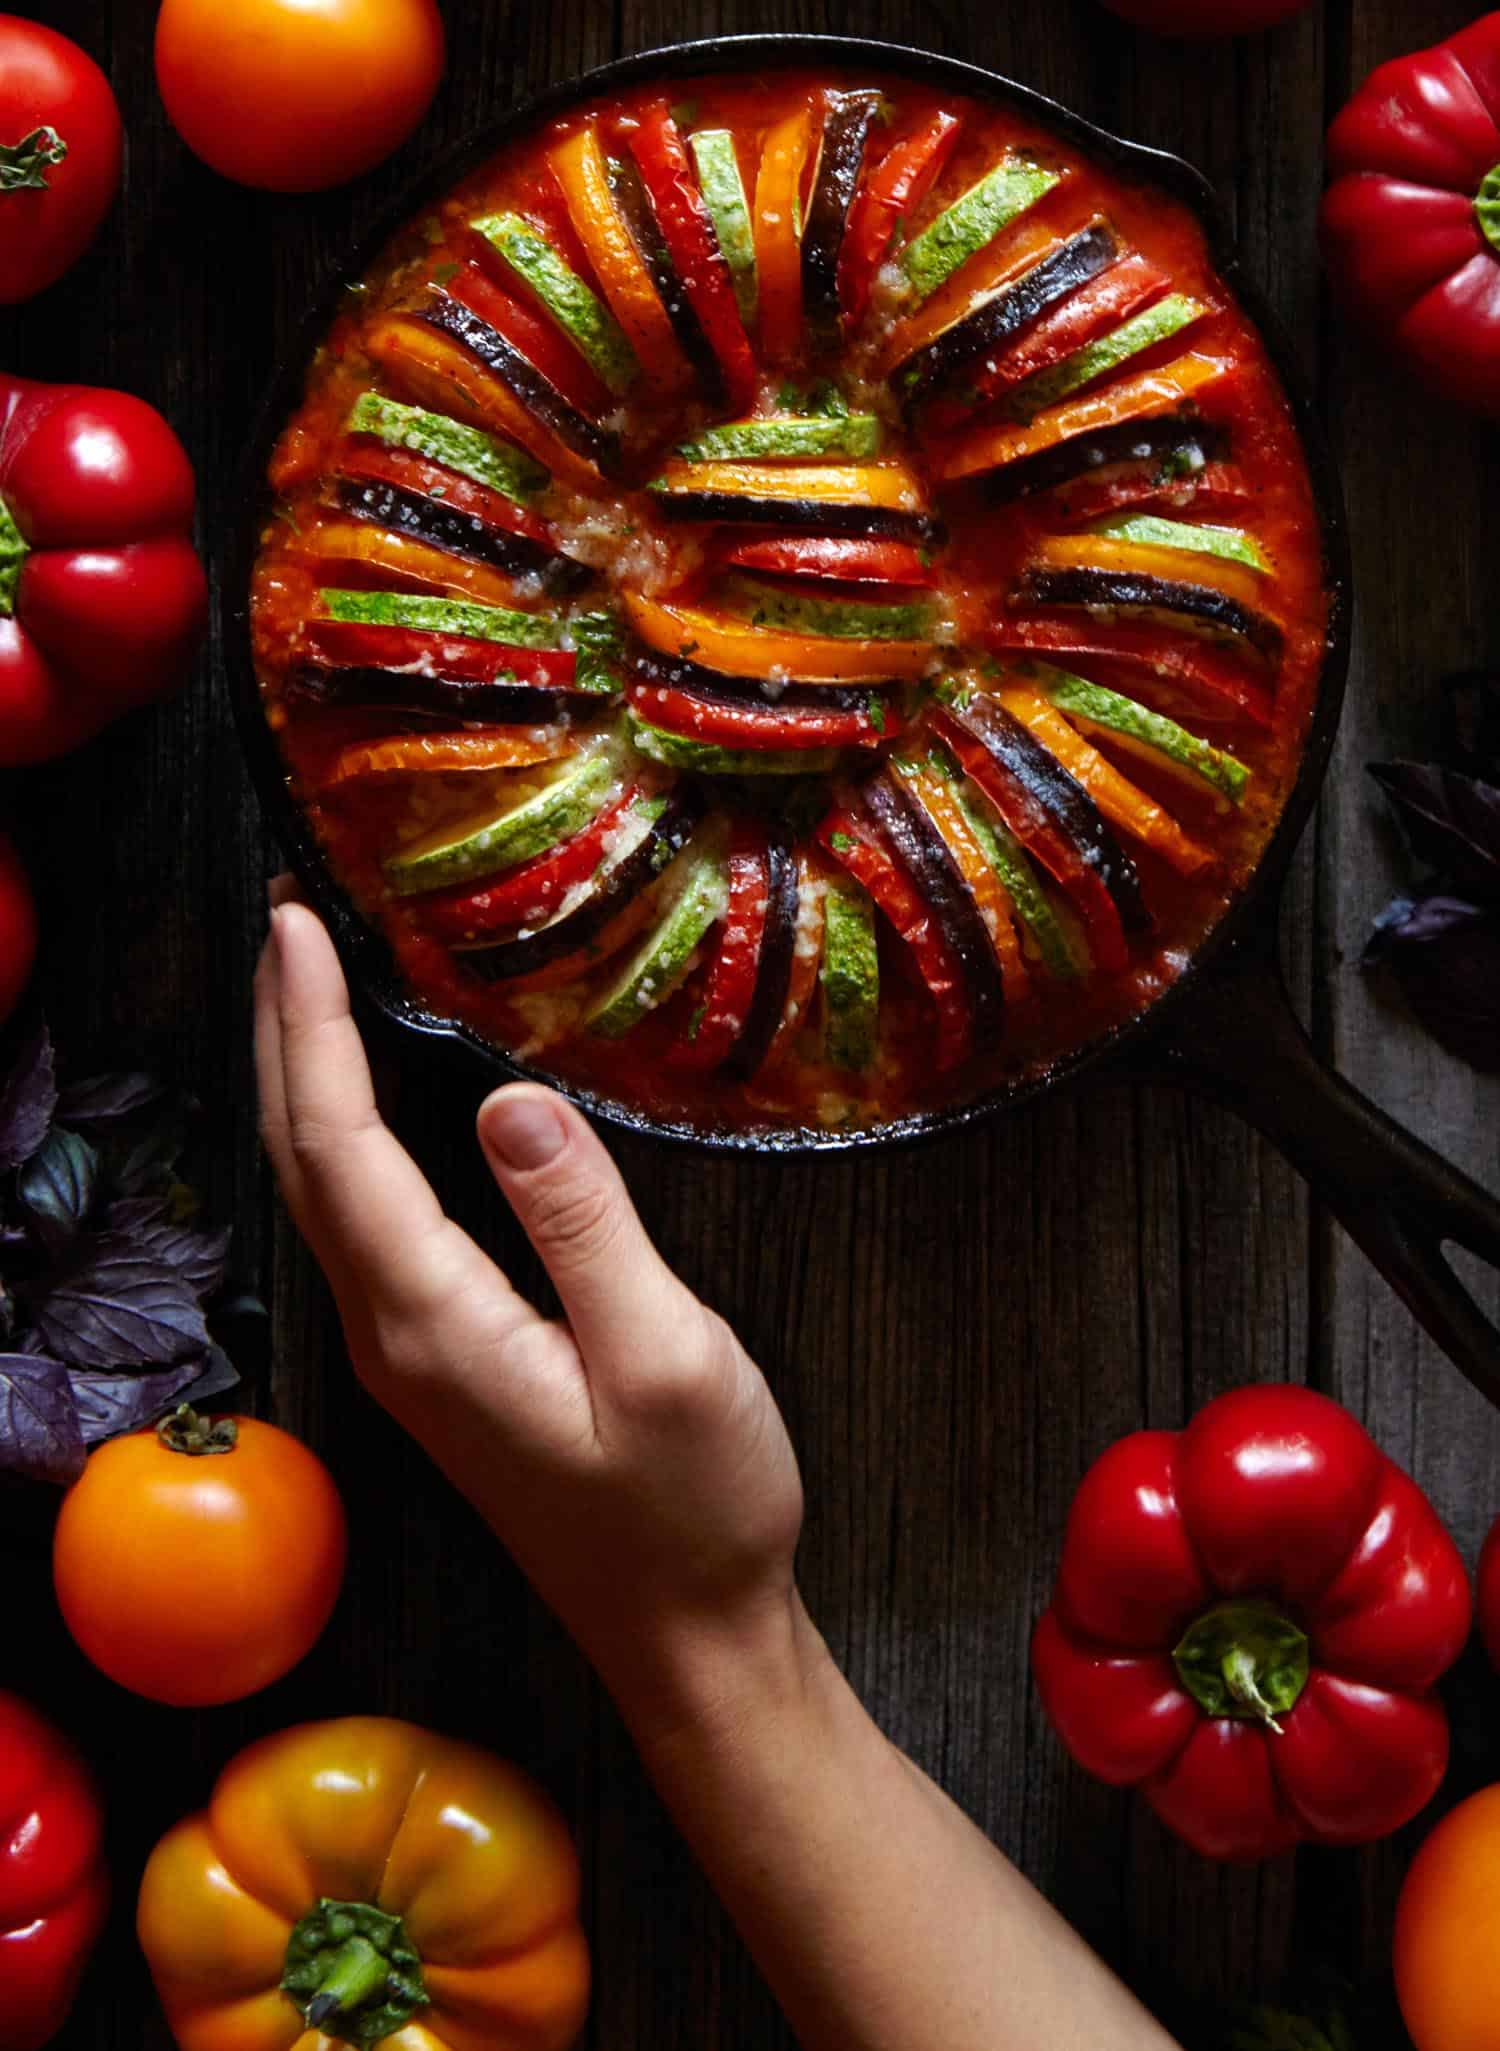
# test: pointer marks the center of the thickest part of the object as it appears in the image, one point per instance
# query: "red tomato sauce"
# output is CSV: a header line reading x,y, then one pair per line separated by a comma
x,y
617,529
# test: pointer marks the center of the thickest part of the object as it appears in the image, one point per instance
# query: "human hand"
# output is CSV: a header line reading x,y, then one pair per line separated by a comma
x,y
631,1459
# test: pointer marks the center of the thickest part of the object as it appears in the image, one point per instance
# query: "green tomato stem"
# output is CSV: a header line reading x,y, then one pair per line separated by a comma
x,y
24,164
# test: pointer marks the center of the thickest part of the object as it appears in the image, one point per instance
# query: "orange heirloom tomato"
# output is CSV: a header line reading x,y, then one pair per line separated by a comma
x,y
199,1561
1447,1941
291,96
366,1882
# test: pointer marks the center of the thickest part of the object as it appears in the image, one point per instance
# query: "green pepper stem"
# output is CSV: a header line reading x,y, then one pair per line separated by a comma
x,y
1243,1658
357,1973
13,553
1240,1680
1487,207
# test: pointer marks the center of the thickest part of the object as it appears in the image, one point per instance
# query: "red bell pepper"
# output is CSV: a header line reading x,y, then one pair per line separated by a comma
x,y
847,558
102,599
889,193
1249,1621
661,158
54,1889
1411,221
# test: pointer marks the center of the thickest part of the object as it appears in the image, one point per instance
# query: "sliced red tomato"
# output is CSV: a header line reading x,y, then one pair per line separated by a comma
x,y
362,457
1041,836
528,894
350,644
856,842
727,723
1177,671
1217,490
730,983
544,345
662,159
892,190
848,558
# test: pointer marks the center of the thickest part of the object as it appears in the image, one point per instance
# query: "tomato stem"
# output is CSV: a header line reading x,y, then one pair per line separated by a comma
x,y
351,1971
184,1431
1244,1660
13,553
23,164
1487,207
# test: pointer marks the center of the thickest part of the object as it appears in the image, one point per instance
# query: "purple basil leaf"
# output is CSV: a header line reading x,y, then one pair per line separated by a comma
x,y
100,1099
1472,699
1452,821
28,1099
57,1185
40,1433
1445,956
147,1223
149,1163
116,1307
109,1404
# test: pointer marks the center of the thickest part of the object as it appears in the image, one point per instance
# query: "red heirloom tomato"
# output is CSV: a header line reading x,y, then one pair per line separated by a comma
x,y
53,1886
60,145
17,929
1411,221
1446,1948
1205,17
1489,1594
291,97
199,1561
102,599
1249,1621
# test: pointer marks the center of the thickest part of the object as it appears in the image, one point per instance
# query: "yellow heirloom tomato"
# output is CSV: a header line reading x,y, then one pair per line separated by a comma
x,y
366,1882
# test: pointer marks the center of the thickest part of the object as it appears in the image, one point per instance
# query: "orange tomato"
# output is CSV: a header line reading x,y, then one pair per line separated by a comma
x,y
194,1575
297,95
1447,1941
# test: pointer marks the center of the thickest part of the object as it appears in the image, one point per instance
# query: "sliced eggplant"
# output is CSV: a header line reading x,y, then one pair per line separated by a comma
x,y
1202,607
1061,796
634,202
697,682
811,516
537,393
412,697
673,821
846,136
773,972
922,849
1178,443
1002,314
457,533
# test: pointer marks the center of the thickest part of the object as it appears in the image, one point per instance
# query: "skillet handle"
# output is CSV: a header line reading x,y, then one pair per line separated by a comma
x,y
1241,1043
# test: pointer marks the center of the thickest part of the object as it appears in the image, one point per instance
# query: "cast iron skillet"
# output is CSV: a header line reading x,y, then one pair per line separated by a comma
x,y
1225,1027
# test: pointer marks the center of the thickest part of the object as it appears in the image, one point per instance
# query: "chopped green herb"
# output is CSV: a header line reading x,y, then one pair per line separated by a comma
x,y
444,272
286,513
841,842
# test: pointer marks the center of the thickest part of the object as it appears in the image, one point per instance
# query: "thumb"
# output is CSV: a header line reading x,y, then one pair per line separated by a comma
x,y
618,1293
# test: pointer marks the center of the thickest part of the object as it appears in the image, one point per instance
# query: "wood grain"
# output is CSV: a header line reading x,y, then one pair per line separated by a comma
x,y
953,1332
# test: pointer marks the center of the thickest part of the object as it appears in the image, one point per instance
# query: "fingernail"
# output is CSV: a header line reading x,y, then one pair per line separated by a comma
x,y
524,1130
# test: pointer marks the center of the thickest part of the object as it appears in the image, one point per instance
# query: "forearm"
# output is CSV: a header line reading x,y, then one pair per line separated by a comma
x,y
882,1918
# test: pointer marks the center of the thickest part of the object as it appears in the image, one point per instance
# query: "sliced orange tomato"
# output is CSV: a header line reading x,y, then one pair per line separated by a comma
x,y
425,754
735,648
1123,803
888,484
580,169
778,232
990,895
401,561
1150,391
1103,552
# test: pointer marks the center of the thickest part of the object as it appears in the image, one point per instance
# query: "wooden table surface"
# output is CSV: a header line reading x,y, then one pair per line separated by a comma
x,y
953,1333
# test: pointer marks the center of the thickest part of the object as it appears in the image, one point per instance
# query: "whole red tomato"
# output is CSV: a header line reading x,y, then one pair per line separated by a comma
x,y
1205,17
199,1562
291,97
60,144
102,599
1489,1594
17,928
1446,1947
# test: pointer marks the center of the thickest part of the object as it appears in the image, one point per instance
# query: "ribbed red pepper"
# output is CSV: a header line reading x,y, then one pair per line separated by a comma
x,y
1250,1619
1411,221
53,1886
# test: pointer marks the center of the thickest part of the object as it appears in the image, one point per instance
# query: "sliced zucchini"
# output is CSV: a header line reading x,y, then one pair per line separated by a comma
x,y
1158,323
973,220
499,836
836,619
724,195
469,450
794,436
694,900
707,760
849,975
1143,731
578,311
1233,544
444,616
